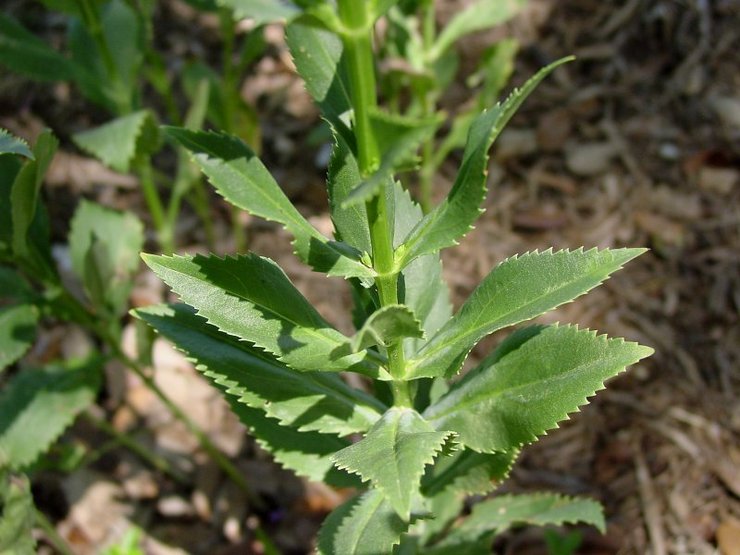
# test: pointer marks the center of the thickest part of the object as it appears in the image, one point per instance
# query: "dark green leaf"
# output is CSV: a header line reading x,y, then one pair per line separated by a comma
x,y
532,388
518,289
393,456
17,332
250,297
469,472
38,405
454,217
307,401
245,182
364,525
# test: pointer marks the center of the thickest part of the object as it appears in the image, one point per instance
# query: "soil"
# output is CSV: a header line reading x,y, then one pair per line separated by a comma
x,y
637,143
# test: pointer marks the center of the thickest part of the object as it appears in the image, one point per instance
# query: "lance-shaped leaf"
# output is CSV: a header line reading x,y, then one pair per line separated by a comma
x,y
478,16
17,514
532,388
242,179
307,401
308,454
399,139
23,52
469,472
17,332
454,217
393,455
104,248
497,515
251,298
39,404
263,11
386,326
118,142
317,54
364,525
518,289
13,145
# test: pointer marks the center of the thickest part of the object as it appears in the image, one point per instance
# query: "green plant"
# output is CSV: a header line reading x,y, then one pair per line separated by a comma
x,y
427,442
110,59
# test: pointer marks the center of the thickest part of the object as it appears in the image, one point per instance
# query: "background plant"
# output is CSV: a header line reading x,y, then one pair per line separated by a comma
x,y
427,443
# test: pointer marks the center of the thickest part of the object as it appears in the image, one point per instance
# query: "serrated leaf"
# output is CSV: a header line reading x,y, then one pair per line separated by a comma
x,y
393,456
250,297
17,514
17,332
241,178
364,525
38,405
112,240
308,454
118,142
386,326
10,165
454,217
23,52
399,139
469,472
10,144
307,401
317,54
518,289
531,389
538,509
262,11
476,17
421,286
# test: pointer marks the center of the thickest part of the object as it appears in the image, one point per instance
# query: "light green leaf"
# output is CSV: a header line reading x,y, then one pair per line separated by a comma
x,y
364,525
531,389
10,144
17,514
399,139
118,142
469,472
38,405
307,401
262,11
386,326
479,16
17,332
23,52
25,210
421,286
393,456
251,298
454,217
125,38
538,509
518,289
112,240
241,178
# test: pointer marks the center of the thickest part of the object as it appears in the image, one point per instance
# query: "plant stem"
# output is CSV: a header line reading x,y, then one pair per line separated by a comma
x,y
357,40
428,104
57,541
154,204
156,461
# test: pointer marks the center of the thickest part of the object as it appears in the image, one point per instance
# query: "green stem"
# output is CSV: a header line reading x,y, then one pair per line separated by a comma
x,y
154,204
57,541
428,106
357,40
156,461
